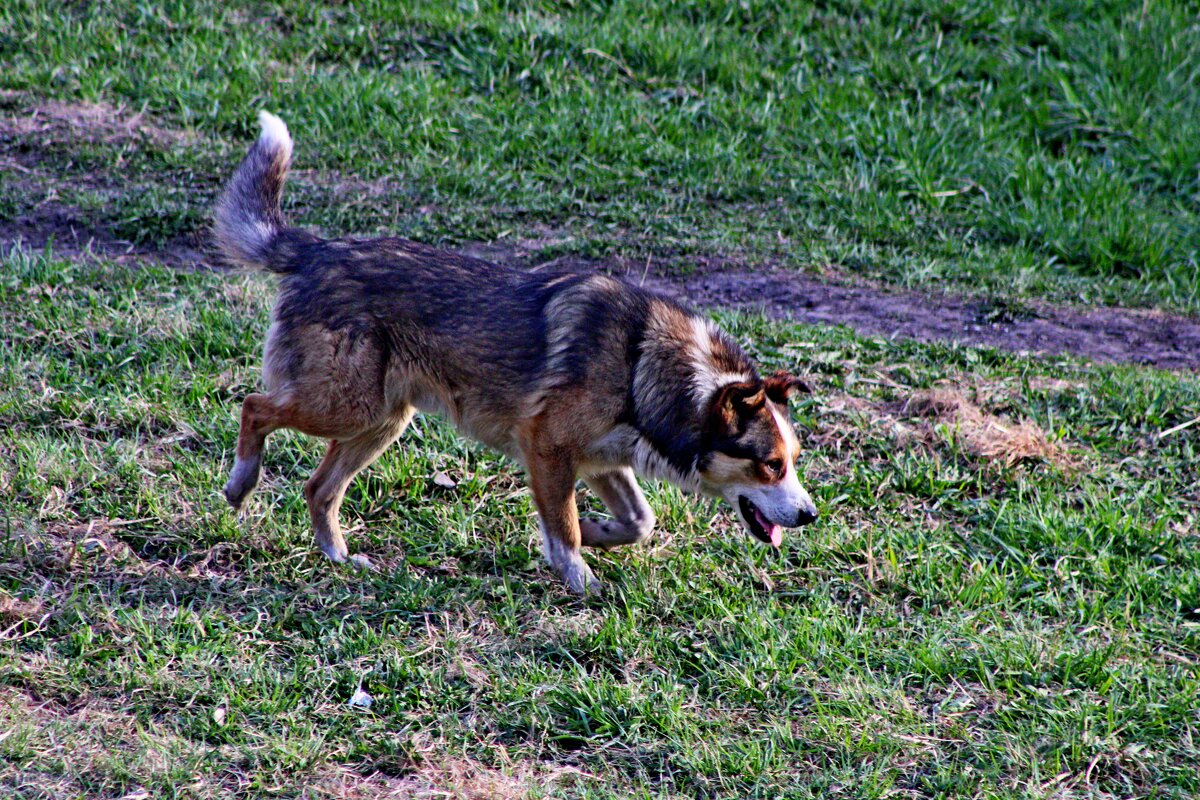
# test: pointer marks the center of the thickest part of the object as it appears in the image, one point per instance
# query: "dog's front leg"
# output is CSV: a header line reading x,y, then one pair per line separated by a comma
x,y
633,518
553,483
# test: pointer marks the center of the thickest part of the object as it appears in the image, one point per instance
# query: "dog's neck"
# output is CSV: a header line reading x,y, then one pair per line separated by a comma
x,y
680,369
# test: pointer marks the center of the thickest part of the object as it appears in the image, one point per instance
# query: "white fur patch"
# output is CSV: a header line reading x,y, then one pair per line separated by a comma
x,y
788,433
650,463
274,132
623,445
706,378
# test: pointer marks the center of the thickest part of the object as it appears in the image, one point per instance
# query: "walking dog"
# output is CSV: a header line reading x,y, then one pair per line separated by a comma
x,y
572,375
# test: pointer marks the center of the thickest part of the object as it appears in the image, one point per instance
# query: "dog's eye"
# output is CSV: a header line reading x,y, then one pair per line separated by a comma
x,y
774,467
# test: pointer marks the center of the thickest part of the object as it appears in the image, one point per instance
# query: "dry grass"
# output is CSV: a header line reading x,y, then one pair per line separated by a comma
x,y
462,779
940,417
437,777
984,435
450,780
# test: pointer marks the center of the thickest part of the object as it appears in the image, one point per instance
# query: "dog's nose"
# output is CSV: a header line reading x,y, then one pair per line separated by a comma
x,y
806,516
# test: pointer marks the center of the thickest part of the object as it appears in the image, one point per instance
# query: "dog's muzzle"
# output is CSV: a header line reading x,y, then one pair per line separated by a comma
x,y
764,529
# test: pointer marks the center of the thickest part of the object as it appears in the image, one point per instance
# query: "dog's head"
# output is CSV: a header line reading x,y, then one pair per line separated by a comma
x,y
750,456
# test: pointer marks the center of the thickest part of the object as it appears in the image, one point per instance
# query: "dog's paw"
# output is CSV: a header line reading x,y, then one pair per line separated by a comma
x,y
570,566
242,481
580,579
233,495
335,551
359,561
235,501
605,534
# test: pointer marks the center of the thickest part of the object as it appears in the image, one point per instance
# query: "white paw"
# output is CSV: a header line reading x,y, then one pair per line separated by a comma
x,y
242,480
359,561
580,579
337,555
570,566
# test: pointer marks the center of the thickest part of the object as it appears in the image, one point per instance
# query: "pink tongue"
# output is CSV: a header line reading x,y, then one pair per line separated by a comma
x,y
773,530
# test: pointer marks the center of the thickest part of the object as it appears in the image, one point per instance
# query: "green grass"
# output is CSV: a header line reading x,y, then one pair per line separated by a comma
x,y
1044,149
952,627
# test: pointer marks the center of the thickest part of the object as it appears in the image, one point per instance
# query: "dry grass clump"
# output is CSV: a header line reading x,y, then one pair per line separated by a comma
x,y
932,419
981,434
454,779
466,780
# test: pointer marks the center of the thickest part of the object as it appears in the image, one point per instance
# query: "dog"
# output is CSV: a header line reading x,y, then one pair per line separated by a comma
x,y
572,375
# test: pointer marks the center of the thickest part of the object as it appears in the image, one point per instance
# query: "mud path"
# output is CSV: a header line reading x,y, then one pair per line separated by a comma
x,y
1101,334
1109,335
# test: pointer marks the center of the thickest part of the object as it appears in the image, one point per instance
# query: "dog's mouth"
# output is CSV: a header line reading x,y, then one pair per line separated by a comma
x,y
757,523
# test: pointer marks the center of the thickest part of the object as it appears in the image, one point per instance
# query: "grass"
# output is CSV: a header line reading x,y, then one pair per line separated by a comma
x,y
953,627
1043,149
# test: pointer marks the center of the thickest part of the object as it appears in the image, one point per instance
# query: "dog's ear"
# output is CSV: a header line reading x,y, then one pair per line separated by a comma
x,y
736,401
782,385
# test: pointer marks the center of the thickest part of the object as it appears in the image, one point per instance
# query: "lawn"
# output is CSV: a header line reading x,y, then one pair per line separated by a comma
x,y
1043,148
1001,600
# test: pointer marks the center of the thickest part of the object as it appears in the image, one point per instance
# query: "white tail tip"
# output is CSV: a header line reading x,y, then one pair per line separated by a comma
x,y
274,132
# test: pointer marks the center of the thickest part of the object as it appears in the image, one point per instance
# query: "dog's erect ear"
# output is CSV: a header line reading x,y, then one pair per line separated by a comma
x,y
735,401
782,385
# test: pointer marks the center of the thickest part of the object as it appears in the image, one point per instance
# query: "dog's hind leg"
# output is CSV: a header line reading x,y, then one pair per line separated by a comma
x,y
260,416
344,459
633,518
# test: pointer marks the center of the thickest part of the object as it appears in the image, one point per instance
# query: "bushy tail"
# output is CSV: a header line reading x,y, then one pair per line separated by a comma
x,y
248,218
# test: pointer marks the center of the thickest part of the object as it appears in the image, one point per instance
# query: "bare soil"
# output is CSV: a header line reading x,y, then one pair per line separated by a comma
x,y
1103,334
72,235
28,131
86,122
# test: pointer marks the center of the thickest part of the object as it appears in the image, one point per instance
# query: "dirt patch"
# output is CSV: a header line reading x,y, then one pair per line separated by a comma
x,y
1108,335
58,120
1101,334
28,131
71,234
